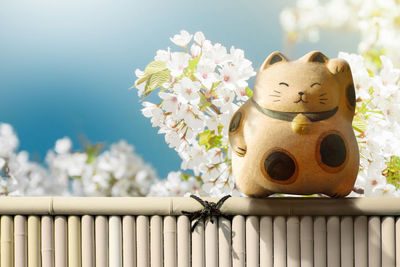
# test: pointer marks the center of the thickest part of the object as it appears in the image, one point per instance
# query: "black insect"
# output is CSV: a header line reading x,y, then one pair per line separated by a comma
x,y
210,210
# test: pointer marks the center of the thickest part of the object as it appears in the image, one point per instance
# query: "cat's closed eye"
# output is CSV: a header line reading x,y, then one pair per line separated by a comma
x,y
282,83
315,84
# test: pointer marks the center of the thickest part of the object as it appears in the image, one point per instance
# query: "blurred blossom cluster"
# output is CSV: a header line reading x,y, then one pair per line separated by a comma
x,y
18,175
117,171
377,22
199,87
176,184
114,172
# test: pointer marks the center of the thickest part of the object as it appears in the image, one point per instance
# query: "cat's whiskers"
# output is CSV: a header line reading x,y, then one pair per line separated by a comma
x,y
323,99
322,102
322,94
276,100
275,95
277,92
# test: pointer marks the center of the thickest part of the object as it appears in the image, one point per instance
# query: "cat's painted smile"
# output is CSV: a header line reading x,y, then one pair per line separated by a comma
x,y
301,98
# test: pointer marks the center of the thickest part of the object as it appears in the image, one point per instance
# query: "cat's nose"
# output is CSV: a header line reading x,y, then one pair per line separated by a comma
x,y
301,93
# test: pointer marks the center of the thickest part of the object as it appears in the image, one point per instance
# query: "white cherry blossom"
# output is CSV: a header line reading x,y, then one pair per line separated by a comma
x,y
182,39
195,50
153,112
192,116
8,140
205,72
139,74
199,38
170,103
189,90
163,55
179,61
63,145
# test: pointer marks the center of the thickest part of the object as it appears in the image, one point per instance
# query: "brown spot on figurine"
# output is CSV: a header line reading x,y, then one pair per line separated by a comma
x,y
295,134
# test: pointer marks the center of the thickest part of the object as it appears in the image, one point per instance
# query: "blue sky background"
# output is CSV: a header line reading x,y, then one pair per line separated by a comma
x,y
66,66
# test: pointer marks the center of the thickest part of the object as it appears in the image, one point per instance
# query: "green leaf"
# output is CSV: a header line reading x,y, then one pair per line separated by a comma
x,y
220,127
155,66
359,125
370,72
203,101
209,139
204,137
373,56
142,80
193,63
156,80
92,151
249,93
185,176
151,68
392,172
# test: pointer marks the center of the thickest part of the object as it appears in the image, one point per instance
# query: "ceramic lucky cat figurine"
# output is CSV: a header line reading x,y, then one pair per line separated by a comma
x,y
295,135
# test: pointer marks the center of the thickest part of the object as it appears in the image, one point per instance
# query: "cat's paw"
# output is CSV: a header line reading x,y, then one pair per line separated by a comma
x,y
339,194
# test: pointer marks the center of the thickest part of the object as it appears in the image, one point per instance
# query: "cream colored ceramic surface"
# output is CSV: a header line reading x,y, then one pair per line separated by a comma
x,y
312,85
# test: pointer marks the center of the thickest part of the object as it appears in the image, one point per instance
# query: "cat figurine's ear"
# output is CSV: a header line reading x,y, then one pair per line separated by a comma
x,y
338,66
335,66
315,56
274,58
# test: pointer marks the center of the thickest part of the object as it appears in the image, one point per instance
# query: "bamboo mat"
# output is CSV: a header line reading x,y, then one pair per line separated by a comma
x,y
138,233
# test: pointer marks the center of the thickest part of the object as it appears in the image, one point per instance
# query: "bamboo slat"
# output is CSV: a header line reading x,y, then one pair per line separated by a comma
x,y
374,241
183,225
20,245
198,252
266,242
60,241
333,241
252,241
224,242
280,246
347,241
293,241
128,241
34,241
88,253
74,241
388,242
47,241
360,241
115,241
320,241
101,233
7,246
306,242
170,252
211,243
142,235
397,229
156,242
238,241
174,206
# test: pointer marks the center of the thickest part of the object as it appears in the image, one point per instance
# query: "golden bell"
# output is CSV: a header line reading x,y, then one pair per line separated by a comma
x,y
301,124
